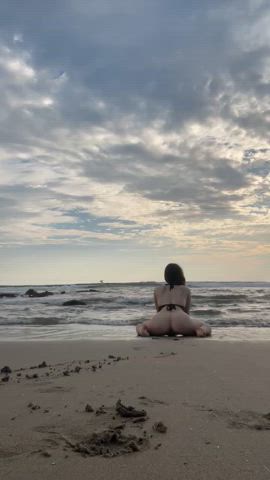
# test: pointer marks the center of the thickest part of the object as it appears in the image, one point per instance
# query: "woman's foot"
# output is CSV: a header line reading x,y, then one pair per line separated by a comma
x,y
203,331
142,330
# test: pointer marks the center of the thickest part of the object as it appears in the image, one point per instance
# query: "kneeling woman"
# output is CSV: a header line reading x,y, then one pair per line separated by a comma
x,y
173,303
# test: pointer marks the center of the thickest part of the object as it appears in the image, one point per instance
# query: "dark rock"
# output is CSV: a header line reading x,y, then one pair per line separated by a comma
x,y
70,303
94,367
63,292
5,379
33,293
6,370
88,408
77,369
8,295
66,373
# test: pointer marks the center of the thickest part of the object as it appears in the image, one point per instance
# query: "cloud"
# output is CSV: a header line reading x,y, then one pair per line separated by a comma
x,y
153,121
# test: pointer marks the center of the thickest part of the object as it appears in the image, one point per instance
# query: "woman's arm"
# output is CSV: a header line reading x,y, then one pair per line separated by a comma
x,y
155,300
188,303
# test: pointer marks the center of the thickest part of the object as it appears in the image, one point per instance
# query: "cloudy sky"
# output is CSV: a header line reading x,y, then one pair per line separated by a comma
x,y
132,134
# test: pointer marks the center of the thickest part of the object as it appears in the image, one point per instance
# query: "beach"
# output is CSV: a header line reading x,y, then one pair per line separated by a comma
x,y
201,409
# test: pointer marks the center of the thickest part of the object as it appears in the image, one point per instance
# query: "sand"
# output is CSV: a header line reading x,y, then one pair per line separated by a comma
x,y
205,404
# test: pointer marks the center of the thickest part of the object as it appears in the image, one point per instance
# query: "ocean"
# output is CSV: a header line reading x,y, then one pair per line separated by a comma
x,y
235,310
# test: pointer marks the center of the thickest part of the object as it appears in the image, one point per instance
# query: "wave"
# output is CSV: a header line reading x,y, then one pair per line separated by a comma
x,y
207,312
50,321
222,298
258,323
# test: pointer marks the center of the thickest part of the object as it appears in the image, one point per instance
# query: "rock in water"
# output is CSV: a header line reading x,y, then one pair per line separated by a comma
x,y
70,303
43,365
6,370
33,293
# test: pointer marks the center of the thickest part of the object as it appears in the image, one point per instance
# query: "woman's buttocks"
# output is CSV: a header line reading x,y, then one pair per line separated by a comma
x,y
176,313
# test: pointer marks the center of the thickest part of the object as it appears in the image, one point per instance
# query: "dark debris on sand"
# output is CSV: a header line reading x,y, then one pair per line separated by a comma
x,y
101,410
88,408
128,411
110,442
30,377
32,406
159,427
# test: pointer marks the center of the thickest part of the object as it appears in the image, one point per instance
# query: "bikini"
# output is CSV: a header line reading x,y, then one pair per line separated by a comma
x,y
170,307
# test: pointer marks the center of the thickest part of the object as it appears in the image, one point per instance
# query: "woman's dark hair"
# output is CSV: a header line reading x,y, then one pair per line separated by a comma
x,y
174,275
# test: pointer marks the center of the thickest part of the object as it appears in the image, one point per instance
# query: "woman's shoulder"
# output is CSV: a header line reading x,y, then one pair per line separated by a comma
x,y
183,288
159,288
162,288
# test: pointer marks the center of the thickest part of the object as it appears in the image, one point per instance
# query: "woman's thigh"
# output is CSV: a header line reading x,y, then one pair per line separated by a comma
x,y
160,324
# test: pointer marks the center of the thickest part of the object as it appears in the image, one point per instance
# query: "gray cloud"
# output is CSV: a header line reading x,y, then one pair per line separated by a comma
x,y
168,101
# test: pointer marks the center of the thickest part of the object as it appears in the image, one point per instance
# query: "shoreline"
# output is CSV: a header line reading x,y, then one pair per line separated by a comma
x,y
79,332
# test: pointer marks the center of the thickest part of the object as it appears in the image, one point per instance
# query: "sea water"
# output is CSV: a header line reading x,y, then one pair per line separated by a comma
x,y
235,310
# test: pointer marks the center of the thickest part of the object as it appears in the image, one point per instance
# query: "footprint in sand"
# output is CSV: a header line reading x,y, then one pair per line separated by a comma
x,y
146,401
243,419
55,388
251,420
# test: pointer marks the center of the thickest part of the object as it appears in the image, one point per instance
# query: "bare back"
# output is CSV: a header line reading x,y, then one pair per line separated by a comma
x,y
178,295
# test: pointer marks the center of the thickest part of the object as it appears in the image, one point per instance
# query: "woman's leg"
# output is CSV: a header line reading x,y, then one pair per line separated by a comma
x,y
158,326
142,331
203,331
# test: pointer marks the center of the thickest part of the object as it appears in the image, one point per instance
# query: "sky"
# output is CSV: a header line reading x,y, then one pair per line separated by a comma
x,y
134,134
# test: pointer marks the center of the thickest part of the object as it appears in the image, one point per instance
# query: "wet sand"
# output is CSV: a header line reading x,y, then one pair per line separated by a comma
x,y
189,409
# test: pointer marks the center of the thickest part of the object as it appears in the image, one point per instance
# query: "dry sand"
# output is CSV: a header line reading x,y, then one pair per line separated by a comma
x,y
205,409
